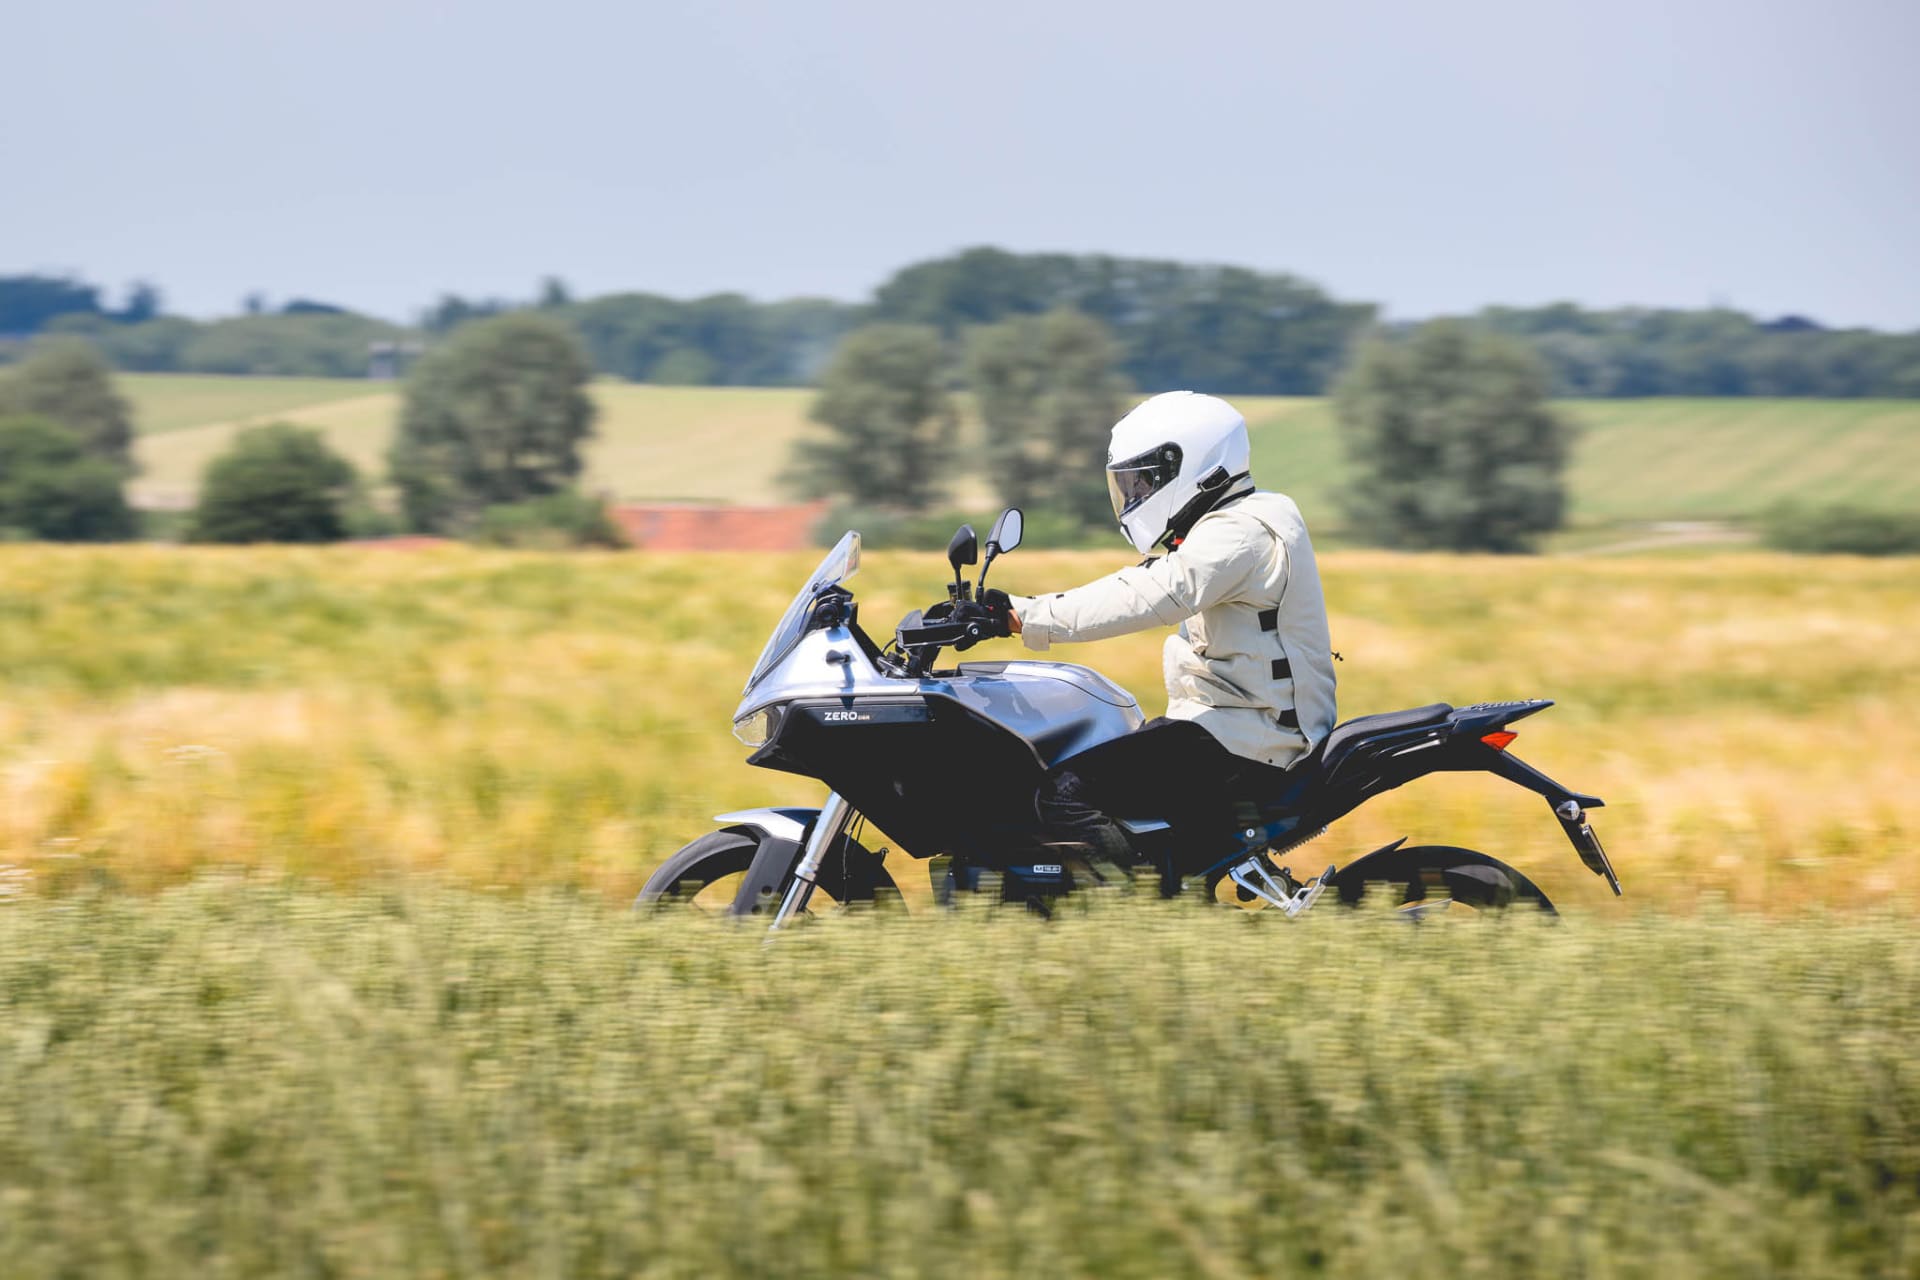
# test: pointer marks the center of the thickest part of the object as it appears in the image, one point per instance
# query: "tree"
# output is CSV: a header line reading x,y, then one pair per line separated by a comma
x,y
1049,396
682,367
312,345
1206,328
275,483
51,488
496,415
28,302
68,382
143,303
727,339
1452,441
452,311
891,421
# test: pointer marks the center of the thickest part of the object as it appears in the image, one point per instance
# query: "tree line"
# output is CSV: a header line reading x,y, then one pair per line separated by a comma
x,y
1223,329
488,448
1449,431
1451,437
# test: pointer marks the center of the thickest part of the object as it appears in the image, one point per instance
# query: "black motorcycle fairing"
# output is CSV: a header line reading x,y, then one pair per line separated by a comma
x,y
933,774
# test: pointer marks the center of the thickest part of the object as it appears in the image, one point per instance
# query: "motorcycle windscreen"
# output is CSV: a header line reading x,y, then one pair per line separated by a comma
x,y
841,563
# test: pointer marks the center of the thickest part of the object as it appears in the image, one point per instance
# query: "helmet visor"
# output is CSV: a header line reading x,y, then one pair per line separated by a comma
x,y
1133,481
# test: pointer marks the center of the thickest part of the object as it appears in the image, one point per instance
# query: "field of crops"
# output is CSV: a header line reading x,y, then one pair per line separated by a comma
x,y
246,1081
1637,460
313,957
516,719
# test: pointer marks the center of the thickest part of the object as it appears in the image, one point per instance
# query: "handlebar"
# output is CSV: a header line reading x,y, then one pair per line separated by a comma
x,y
963,624
938,634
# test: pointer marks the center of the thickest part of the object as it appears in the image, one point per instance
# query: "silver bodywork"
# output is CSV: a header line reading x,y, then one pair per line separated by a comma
x,y
781,824
1070,707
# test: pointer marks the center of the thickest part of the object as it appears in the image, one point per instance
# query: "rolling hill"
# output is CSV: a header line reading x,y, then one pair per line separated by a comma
x,y
1636,461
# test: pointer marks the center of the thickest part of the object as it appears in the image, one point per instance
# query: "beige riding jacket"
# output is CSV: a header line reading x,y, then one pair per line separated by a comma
x,y
1251,662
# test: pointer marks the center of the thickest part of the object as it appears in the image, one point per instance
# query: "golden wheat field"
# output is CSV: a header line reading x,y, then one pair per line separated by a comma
x,y
513,719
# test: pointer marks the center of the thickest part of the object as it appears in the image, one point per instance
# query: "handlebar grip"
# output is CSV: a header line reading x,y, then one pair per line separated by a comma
x,y
942,633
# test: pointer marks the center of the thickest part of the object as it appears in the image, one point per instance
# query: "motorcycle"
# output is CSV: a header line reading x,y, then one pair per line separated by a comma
x,y
946,762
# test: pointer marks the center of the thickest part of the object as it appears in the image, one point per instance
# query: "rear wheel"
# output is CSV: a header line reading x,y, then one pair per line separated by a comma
x,y
1428,878
707,874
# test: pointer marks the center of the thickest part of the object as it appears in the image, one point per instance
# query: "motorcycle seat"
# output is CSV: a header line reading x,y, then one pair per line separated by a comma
x,y
1334,747
1285,794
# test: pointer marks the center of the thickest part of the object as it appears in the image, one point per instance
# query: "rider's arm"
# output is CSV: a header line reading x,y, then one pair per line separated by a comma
x,y
1220,558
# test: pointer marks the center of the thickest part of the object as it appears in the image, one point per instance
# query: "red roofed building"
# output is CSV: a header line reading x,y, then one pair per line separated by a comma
x,y
677,527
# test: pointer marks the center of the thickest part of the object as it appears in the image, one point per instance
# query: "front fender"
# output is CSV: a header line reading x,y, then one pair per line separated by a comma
x,y
853,874
783,836
781,824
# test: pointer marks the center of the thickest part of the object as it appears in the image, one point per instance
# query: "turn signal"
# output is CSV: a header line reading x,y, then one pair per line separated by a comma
x,y
1499,738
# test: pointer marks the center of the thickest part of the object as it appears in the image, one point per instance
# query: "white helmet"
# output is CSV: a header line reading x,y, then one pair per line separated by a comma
x,y
1170,461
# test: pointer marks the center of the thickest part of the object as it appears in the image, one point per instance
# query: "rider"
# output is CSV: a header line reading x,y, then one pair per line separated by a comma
x,y
1249,673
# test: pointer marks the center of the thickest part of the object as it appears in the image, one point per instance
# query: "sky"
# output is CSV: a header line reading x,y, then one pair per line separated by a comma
x,y
1433,158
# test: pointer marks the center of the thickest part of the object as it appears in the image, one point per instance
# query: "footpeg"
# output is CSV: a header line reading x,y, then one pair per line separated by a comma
x,y
1255,878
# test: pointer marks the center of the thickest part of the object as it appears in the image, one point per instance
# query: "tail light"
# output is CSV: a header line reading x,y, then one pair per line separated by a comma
x,y
1499,739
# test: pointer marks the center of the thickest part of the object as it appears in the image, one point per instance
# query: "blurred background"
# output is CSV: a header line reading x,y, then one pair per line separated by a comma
x,y
1691,230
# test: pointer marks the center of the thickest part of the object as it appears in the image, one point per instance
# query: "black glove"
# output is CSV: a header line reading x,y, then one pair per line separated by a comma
x,y
988,618
999,610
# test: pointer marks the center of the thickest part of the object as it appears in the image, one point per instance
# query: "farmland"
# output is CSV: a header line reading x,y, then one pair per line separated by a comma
x,y
1637,460
520,720
313,955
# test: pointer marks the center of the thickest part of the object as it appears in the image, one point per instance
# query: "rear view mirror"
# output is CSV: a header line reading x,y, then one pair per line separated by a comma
x,y
1005,537
1006,532
964,549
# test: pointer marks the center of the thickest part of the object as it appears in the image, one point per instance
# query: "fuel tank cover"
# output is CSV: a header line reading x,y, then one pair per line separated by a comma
x,y
1082,678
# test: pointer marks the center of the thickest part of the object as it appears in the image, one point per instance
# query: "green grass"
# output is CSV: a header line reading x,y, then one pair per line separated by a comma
x,y
1637,460
167,402
1732,459
242,1081
1665,459
653,443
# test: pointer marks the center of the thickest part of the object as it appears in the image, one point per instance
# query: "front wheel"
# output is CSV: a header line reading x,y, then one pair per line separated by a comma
x,y
707,874
1423,878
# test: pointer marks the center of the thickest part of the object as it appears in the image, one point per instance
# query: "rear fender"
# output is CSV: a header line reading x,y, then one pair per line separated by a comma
x,y
1570,807
1466,751
1465,873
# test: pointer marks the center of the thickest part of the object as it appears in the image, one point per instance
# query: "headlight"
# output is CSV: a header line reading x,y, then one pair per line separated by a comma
x,y
756,728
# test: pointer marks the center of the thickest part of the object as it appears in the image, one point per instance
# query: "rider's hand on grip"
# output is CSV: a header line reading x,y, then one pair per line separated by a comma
x,y
999,610
973,617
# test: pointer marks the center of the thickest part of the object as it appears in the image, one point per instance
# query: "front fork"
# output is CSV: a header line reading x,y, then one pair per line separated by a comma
x,y
826,829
